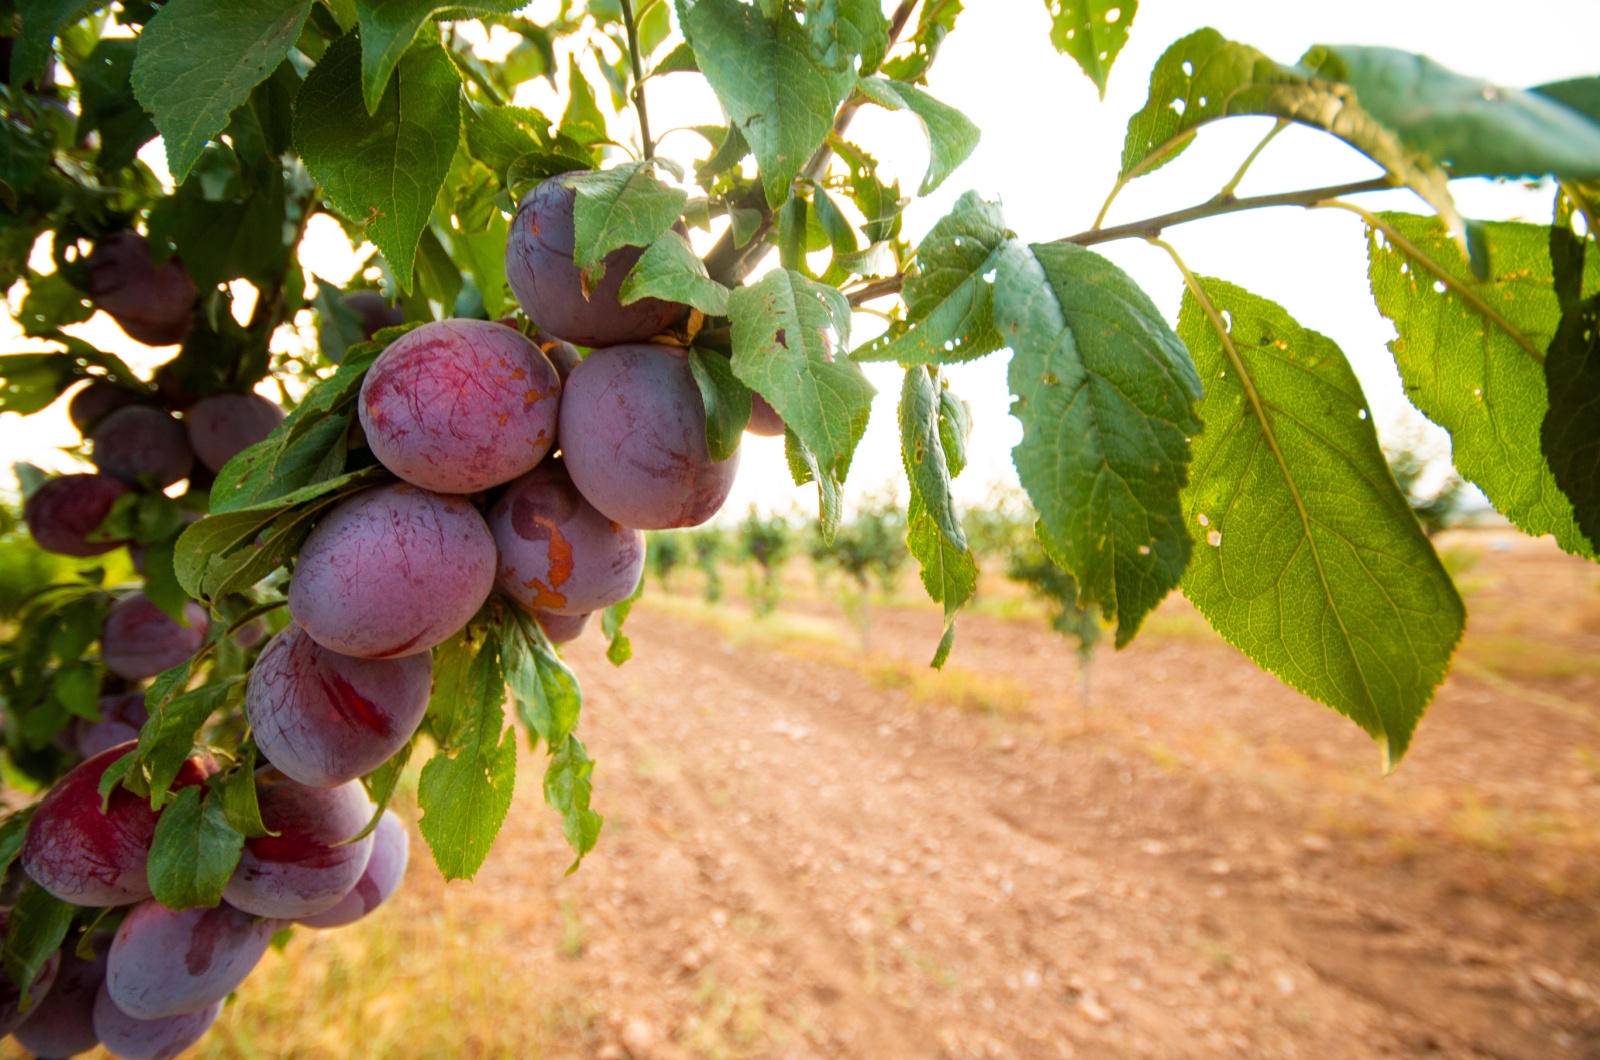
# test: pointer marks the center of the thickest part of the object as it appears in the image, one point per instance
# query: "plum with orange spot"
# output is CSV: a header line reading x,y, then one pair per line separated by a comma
x,y
558,554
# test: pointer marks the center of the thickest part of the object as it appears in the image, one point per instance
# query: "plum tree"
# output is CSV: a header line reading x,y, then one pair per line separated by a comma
x,y
128,1038
62,1023
392,571
166,962
764,419
391,851
140,640
142,445
152,303
558,554
89,856
458,406
309,864
323,718
223,425
562,628
97,399
121,717
634,439
11,1011
63,512
551,289
376,313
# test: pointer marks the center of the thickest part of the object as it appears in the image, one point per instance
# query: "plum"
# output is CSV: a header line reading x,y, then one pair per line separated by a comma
x,y
557,553
88,857
764,419
376,314
457,406
153,304
392,571
561,628
550,288
97,399
564,355
11,1012
224,425
127,1038
633,435
63,512
63,1023
121,718
167,962
309,865
140,640
140,444
391,850
323,718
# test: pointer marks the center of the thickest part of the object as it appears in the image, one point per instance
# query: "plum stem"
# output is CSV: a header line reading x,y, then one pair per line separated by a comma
x,y
638,78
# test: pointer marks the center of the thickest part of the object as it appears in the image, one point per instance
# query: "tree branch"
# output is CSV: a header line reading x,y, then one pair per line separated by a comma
x,y
638,79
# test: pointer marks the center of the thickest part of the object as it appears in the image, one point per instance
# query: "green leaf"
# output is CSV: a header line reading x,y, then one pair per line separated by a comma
x,y
1472,356
464,802
77,688
949,291
669,270
107,105
437,278
484,255
498,136
51,302
845,29
383,169
1088,31
168,738
770,80
195,851
198,61
582,122
568,787
545,691
934,23
680,60
780,351
237,794
42,22
35,928
1312,563
951,135
1570,434
726,399
1469,126
933,530
389,27
161,579
382,782
622,207
620,648
803,467
1104,391
12,833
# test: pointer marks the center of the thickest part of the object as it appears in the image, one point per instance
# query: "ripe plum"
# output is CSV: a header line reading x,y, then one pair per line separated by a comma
x,y
764,419
62,1024
168,962
121,718
457,406
140,640
634,439
323,718
140,444
562,628
127,1038
308,866
557,552
97,399
391,850
63,512
224,425
151,303
392,571
550,287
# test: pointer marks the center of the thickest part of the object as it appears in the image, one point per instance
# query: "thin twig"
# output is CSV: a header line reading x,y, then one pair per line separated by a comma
x,y
638,78
1233,185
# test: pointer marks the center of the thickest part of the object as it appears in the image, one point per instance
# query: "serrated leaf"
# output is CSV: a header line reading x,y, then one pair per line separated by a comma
x,y
1312,562
1471,356
949,291
951,135
198,61
544,689
1104,392
780,352
1469,126
498,136
933,530
1088,31
669,270
770,80
726,399
194,853
381,784
569,787
389,27
464,802
582,122
35,928
1570,434
385,169
621,207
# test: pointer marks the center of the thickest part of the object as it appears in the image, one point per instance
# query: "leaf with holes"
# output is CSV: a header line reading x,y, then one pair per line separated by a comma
x,y
1472,356
1104,391
1311,560
1092,32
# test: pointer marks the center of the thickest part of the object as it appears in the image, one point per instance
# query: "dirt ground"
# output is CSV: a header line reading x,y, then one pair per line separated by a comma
x,y
811,852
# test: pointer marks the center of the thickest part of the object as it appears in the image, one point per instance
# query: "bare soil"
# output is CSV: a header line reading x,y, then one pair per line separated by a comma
x,y
808,854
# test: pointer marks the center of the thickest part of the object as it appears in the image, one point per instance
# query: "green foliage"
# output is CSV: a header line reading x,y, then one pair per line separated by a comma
x,y
620,207
767,542
1027,563
670,271
727,401
1570,434
709,545
196,849
1092,32
665,552
951,135
929,415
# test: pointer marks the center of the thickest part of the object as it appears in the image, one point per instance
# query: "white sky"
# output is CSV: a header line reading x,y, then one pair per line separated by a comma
x,y
1050,152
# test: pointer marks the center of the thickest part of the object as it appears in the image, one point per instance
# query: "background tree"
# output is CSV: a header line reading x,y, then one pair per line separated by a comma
x,y
767,542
